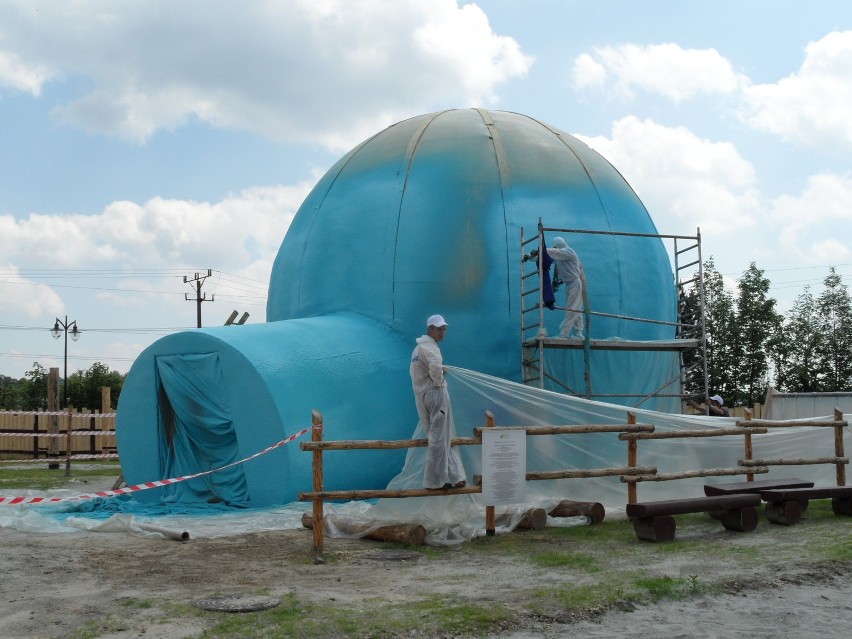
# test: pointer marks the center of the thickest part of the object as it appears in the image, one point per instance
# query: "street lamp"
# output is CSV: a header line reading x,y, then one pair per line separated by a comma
x,y
58,328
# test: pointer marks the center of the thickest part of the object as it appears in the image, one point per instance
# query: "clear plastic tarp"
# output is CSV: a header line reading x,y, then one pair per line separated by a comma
x,y
452,519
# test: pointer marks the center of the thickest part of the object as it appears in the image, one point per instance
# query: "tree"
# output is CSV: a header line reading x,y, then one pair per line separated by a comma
x,y
8,392
33,388
720,325
84,387
792,349
756,323
834,324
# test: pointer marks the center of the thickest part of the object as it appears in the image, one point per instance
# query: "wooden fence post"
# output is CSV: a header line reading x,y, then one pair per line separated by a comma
x,y
53,420
748,449
68,438
838,448
631,460
490,525
316,436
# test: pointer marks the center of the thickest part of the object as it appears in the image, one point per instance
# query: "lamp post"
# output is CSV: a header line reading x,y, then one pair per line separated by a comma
x,y
59,328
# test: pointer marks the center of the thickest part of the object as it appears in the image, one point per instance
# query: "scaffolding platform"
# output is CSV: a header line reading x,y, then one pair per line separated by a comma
x,y
615,344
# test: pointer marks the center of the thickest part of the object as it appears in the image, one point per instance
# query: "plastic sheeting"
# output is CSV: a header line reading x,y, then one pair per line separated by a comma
x,y
450,520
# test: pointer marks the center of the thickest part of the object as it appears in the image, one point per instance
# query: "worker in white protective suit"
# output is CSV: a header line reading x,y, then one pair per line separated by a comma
x,y
444,467
570,271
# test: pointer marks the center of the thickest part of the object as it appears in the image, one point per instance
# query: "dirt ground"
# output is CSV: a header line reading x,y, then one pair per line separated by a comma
x,y
117,586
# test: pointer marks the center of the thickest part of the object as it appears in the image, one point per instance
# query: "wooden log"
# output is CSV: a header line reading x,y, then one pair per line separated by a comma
x,y
577,474
842,505
740,519
793,462
715,432
316,465
735,488
655,529
649,509
580,429
840,470
786,513
632,451
591,509
371,444
350,495
688,474
411,534
490,523
533,519
798,423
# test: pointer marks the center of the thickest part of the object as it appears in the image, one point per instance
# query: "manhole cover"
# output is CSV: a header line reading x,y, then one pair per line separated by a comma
x,y
393,555
238,603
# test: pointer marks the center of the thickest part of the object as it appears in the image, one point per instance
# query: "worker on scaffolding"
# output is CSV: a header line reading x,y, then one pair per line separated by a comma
x,y
570,271
443,467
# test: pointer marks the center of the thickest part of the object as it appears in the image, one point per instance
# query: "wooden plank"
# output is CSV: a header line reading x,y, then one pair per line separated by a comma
x,y
691,505
799,494
736,488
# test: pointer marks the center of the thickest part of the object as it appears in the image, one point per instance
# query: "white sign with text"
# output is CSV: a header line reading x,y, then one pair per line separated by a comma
x,y
504,465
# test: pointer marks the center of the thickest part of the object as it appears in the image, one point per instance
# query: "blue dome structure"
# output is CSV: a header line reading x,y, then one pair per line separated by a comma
x,y
424,217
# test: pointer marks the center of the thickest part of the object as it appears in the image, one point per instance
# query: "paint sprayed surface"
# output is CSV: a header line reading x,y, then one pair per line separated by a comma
x,y
425,217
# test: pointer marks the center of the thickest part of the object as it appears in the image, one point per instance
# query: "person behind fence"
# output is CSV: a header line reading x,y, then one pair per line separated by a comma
x,y
443,467
569,269
715,406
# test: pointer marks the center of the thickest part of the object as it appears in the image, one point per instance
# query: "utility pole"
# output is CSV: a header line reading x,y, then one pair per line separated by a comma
x,y
196,283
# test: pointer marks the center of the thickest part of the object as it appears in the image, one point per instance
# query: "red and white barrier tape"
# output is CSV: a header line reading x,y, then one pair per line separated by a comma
x,y
13,501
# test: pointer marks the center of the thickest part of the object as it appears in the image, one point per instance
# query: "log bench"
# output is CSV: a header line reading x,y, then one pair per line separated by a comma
x,y
741,487
785,506
653,521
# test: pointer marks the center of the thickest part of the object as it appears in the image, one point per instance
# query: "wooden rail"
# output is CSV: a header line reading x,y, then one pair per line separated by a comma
x,y
839,460
632,479
317,446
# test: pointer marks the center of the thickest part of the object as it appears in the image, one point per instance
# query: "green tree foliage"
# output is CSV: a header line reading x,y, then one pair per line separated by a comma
x,y
84,388
834,325
756,323
32,389
720,322
793,348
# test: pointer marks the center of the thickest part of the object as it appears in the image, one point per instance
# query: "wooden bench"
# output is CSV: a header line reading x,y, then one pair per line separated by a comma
x,y
742,487
653,521
785,506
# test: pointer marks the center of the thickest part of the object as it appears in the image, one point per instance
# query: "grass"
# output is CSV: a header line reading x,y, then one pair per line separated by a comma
x,y
43,478
293,618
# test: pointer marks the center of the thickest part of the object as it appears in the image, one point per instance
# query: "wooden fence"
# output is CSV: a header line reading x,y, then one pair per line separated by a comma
x,y
27,436
632,474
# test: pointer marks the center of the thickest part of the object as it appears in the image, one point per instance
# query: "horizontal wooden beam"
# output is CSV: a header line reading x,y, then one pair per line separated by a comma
x,y
689,474
713,432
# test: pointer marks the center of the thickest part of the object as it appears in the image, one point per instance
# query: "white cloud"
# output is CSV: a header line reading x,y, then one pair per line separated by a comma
x,y
159,233
363,64
25,296
681,178
16,74
664,69
811,106
812,225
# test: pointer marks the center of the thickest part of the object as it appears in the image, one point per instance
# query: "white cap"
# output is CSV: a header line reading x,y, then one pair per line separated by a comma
x,y
436,321
718,398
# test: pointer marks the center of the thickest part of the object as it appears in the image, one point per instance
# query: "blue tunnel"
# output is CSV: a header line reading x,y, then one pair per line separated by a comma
x,y
424,217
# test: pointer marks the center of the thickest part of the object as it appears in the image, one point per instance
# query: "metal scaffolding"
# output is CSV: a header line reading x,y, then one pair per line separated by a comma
x,y
690,334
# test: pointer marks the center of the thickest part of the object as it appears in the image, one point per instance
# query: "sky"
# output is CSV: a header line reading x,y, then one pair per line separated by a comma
x,y
146,141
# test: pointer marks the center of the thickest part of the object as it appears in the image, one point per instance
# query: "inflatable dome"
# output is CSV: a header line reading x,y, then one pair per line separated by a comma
x,y
424,217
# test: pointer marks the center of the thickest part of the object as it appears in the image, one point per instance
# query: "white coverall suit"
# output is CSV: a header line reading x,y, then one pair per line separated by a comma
x,y
443,464
569,268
